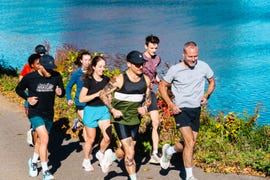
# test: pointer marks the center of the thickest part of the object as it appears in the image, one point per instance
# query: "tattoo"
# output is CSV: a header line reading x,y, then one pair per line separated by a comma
x,y
148,99
106,92
129,142
129,162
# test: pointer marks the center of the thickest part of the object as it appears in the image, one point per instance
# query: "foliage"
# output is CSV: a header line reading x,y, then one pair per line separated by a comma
x,y
226,142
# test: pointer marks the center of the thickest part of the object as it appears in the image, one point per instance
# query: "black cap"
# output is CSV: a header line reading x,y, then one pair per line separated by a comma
x,y
40,49
47,62
135,57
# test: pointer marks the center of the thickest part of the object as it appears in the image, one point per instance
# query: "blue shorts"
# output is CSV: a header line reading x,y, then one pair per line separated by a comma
x,y
93,114
189,117
40,121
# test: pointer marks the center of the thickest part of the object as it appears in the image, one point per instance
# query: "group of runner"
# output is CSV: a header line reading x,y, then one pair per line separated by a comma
x,y
120,101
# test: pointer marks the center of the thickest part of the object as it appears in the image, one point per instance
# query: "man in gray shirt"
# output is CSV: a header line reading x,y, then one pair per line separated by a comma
x,y
187,79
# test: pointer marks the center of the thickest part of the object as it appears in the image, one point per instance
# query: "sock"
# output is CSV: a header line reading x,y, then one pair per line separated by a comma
x,y
35,157
133,176
155,152
44,166
188,172
171,150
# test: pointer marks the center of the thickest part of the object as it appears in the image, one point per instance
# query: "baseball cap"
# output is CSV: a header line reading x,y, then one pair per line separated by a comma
x,y
40,49
135,57
47,62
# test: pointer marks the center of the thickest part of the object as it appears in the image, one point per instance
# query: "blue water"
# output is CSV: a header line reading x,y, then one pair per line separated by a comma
x,y
233,38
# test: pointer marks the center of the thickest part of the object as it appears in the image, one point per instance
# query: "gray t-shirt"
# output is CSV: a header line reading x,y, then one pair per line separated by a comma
x,y
188,84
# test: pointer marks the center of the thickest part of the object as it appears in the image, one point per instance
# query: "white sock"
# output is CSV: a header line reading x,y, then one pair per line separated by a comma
x,y
188,172
171,150
44,166
154,152
133,176
35,157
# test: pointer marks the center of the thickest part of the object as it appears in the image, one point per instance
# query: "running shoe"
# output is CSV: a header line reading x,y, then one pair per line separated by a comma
x,y
106,161
74,125
47,175
165,158
154,159
29,137
32,168
87,166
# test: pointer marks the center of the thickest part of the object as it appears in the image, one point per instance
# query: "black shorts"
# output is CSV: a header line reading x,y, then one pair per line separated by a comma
x,y
189,117
125,131
79,108
153,106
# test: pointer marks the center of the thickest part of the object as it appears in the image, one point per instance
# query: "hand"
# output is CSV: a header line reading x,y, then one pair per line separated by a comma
x,y
58,91
204,100
32,100
175,109
116,113
70,102
142,110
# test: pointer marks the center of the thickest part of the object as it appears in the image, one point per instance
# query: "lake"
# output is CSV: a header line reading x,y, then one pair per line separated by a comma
x,y
233,38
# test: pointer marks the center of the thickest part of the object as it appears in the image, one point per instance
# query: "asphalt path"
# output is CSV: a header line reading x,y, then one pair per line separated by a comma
x,y
65,155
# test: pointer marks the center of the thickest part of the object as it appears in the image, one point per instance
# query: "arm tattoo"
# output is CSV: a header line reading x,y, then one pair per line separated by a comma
x,y
148,99
105,93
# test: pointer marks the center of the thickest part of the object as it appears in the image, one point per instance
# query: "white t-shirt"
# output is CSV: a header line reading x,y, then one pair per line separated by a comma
x,y
188,84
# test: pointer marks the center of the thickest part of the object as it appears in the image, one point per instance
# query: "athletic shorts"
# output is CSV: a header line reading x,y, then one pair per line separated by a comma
x,y
93,114
189,117
153,106
79,108
40,121
125,131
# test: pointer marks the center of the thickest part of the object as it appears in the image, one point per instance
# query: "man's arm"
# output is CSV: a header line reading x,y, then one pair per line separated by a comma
x,y
163,89
148,98
114,84
211,87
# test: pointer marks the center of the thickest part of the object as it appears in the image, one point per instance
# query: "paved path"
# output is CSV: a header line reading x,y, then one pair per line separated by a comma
x,y
66,155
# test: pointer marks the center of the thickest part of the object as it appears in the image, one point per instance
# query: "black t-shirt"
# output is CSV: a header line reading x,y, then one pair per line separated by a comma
x,y
94,86
44,89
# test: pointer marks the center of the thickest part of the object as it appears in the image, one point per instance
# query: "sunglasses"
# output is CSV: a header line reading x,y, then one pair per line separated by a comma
x,y
138,65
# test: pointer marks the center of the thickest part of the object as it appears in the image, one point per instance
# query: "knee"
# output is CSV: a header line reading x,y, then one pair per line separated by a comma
x,y
107,139
155,124
44,140
90,140
190,143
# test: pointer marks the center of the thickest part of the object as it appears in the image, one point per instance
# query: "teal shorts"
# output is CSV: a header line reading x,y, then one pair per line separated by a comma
x,y
93,114
40,121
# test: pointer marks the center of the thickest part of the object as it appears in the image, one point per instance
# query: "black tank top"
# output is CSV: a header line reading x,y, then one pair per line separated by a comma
x,y
130,87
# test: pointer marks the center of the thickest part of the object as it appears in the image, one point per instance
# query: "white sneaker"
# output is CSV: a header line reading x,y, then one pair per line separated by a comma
x,y
32,168
47,176
165,158
29,137
154,159
192,178
106,161
87,165
99,156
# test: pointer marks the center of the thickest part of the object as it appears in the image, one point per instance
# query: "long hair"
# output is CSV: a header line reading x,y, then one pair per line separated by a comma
x,y
90,70
80,56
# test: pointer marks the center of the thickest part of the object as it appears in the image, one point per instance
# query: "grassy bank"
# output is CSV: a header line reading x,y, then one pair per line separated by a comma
x,y
227,143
